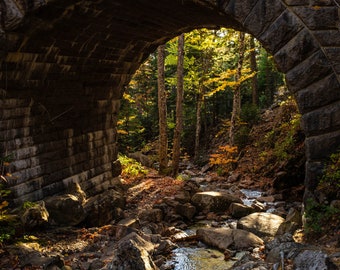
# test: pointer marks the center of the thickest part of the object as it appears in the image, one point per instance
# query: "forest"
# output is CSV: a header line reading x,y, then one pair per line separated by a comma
x,y
225,78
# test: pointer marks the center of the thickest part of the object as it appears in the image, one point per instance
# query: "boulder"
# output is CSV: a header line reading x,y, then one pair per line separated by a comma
x,y
214,201
223,238
187,210
238,210
152,215
34,216
103,208
313,260
265,225
292,223
133,253
65,210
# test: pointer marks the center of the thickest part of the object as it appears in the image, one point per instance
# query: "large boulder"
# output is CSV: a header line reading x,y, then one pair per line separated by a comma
x,y
313,260
223,238
105,207
264,225
133,253
65,210
214,201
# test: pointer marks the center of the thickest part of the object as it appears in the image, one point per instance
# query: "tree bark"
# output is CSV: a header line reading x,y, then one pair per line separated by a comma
x,y
176,152
162,112
237,92
253,66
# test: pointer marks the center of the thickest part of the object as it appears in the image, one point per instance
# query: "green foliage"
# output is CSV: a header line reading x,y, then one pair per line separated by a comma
x,y
28,204
130,167
7,229
250,114
319,216
331,174
242,136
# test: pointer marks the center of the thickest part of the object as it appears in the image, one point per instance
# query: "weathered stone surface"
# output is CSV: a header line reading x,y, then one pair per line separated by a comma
x,y
214,201
321,146
318,18
152,215
319,94
239,210
61,87
65,210
223,238
298,48
262,15
102,209
261,224
317,66
313,260
279,33
186,210
133,253
325,118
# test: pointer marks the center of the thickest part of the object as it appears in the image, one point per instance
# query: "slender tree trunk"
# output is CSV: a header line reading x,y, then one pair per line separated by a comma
x,y
198,122
237,92
163,138
176,152
253,66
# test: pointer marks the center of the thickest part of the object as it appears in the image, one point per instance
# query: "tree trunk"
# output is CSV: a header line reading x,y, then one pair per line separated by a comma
x,y
198,122
237,92
176,152
162,111
253,66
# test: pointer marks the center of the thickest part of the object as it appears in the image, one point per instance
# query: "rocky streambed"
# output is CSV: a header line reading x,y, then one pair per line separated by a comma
x,y
200,223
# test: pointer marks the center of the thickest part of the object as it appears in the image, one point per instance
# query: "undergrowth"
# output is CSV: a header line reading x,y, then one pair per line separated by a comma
x,y
131,167
322,217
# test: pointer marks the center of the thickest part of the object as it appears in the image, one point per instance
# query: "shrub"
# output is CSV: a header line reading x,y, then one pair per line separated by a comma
x,y
131,167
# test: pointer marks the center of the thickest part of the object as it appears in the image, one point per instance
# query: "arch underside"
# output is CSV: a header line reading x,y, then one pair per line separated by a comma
x,y
64,66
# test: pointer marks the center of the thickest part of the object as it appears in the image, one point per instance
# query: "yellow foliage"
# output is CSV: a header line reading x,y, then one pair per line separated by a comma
x,y
224,157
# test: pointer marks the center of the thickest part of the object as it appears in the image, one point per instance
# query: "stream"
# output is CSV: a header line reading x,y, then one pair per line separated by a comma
x,y
202,257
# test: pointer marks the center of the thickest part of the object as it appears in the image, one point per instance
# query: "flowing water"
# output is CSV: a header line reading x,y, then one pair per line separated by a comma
x,y
199,258
204,258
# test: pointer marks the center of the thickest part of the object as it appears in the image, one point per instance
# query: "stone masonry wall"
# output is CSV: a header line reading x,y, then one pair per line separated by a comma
x,y
63,67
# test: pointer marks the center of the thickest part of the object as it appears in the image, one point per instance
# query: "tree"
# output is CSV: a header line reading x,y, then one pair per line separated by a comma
x,y
162,110
176,152
237,91
253,66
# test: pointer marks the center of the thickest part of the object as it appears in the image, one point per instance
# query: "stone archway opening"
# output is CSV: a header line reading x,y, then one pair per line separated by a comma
x,y
64,67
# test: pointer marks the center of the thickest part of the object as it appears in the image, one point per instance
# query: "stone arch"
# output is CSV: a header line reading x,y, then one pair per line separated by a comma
x,y
64,66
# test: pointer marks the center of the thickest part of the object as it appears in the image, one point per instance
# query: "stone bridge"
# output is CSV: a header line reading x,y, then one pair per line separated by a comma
x,y
65,63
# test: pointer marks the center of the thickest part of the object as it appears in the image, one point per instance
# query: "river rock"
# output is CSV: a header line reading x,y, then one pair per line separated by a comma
x,y
151,215
238,210
65,210
261,224
214,201
223,238
187,210
105,207
133,253
292,223
313,260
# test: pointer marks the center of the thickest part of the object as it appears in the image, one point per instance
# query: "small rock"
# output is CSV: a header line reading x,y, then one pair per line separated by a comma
x,y
239,210
186,210
152,215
